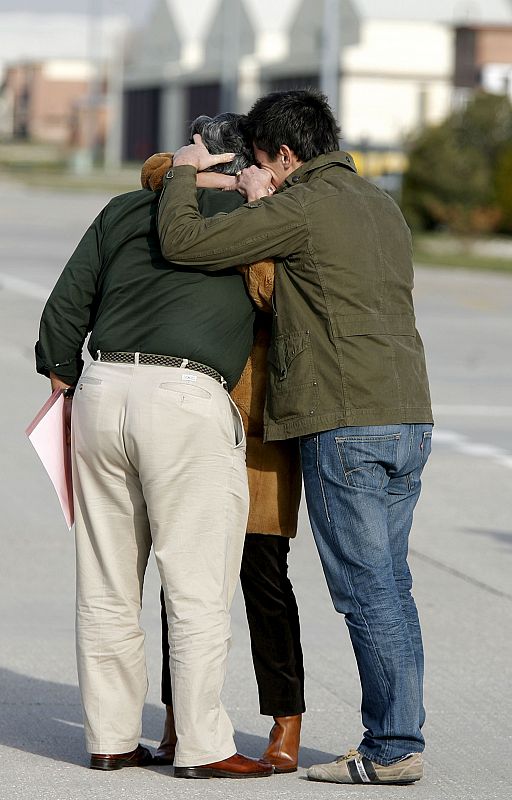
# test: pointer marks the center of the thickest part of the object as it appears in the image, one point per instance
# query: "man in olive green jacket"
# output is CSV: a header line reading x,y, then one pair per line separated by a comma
x,y
347,375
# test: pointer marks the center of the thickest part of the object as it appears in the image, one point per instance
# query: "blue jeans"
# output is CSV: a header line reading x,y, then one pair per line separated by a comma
x,y
362,484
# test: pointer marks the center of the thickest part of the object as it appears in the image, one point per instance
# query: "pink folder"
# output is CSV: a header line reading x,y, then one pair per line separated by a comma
x,y
47,432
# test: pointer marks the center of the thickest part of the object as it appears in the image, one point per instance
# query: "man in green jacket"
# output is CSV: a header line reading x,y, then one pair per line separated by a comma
x,y
347,375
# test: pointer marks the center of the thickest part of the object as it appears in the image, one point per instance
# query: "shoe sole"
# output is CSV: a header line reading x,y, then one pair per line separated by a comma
x,y
403,782
284,770
205,773
107,765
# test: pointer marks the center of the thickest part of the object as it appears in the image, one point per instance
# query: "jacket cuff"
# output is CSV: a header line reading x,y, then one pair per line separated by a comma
x,y
185,172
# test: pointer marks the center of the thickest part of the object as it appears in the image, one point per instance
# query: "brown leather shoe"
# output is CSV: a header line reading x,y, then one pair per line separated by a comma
x,y
164,756
140,757
283,744
236,766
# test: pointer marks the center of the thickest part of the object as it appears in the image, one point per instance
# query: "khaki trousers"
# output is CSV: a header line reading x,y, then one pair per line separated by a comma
x,y
158,458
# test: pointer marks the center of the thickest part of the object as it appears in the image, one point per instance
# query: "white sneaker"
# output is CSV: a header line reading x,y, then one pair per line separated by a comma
x,y
356,768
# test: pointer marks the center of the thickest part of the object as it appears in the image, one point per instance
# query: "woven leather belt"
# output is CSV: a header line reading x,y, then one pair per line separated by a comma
x,y
160,361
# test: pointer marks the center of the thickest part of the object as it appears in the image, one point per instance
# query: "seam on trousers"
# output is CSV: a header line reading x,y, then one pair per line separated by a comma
x,y
349,583
318,472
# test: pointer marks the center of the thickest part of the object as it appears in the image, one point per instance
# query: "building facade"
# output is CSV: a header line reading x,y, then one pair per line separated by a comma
x,y
57,77
396,64
45,98
483,59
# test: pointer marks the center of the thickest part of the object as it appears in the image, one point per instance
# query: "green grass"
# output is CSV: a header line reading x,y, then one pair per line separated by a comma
x,y
55,177
462,261
48,166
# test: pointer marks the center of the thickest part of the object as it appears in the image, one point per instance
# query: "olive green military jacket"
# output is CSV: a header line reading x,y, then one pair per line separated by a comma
x,y
345,349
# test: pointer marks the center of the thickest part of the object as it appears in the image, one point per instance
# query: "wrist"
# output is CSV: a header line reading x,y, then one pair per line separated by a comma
x,y
254,196
59,383
184,161
215,180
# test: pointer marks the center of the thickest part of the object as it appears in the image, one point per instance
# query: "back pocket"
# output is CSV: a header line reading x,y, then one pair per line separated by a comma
x,y
187,390
189,397
365,459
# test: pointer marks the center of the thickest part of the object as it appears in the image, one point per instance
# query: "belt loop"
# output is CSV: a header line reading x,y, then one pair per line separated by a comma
x,y
184,363
98,355
136,355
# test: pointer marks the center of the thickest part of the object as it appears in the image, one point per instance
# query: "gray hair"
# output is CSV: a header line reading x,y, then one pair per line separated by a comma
x,y
225,133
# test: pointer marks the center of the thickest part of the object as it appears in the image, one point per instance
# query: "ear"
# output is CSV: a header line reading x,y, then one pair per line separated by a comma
x,y
288,159
286,155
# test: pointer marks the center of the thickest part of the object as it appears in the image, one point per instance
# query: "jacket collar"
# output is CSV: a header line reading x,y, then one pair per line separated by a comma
x,y
337,157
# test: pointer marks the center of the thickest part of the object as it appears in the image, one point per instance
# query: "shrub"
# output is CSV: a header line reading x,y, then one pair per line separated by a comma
x,y
454,179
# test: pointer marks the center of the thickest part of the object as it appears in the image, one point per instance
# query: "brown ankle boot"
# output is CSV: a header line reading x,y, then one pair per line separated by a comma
x,y
283,744
164,756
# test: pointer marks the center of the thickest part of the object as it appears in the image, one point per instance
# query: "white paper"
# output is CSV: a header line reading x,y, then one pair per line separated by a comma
x,y
47,433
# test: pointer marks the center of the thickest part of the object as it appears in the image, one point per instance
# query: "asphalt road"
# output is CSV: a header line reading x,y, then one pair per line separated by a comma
x,y
461,556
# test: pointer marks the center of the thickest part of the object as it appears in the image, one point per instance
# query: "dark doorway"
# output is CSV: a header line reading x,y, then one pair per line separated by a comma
x,y
201,99
284,84
141,126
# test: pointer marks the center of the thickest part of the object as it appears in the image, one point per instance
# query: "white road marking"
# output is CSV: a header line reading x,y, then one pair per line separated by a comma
x,y
68,722
473,411
21,286
463,445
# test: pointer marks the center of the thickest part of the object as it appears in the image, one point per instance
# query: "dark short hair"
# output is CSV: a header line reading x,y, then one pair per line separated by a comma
x,y
225,133
299,118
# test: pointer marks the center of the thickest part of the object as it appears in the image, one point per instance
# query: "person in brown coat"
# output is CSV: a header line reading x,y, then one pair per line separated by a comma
x,y
275,489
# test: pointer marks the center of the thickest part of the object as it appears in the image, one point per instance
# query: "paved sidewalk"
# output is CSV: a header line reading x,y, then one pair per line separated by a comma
x,y
461,556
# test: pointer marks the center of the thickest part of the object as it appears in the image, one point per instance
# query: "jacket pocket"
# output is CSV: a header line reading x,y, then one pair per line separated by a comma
x,y
374,324
380,358
293,388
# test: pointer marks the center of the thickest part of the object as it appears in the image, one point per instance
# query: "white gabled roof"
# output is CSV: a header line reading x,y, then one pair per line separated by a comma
x,y
265,15
269,15
193,19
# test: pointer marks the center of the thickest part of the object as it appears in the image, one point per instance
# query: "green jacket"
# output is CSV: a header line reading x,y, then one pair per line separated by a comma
x,y
345,349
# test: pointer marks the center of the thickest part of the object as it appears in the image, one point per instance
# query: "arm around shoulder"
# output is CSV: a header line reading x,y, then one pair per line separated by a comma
x,y
273,227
